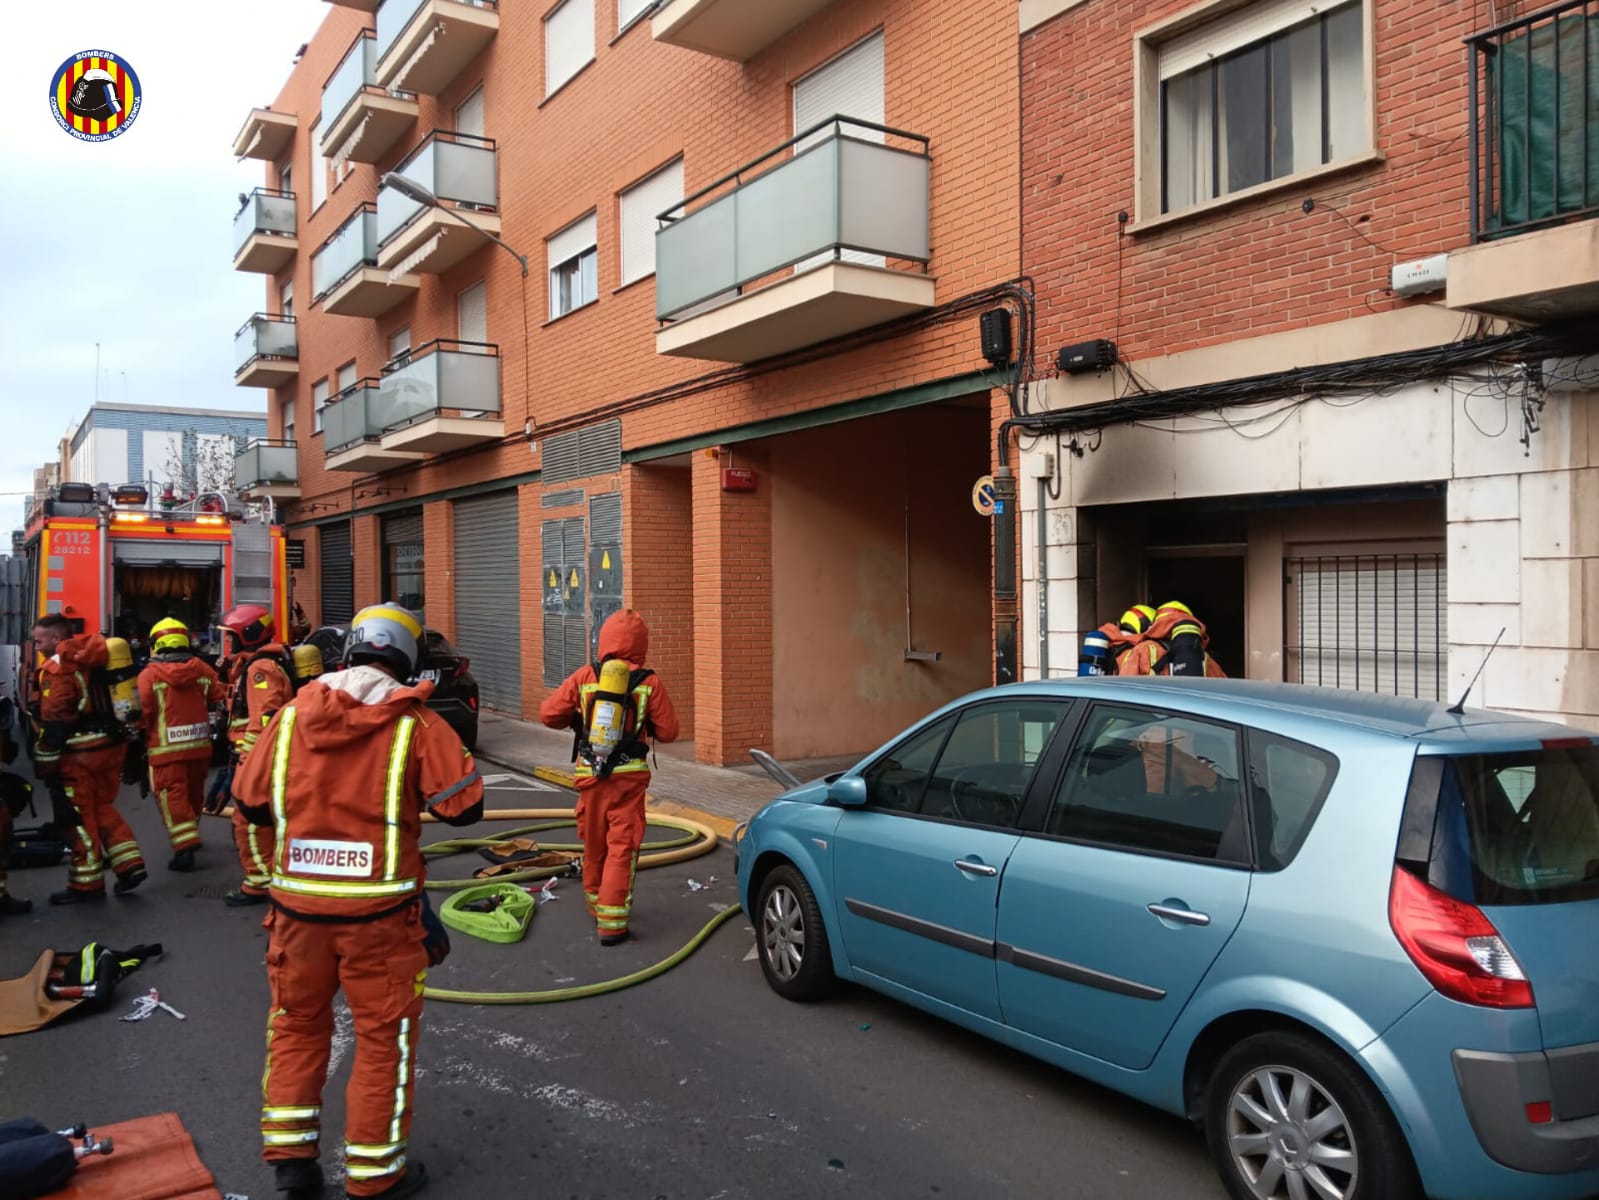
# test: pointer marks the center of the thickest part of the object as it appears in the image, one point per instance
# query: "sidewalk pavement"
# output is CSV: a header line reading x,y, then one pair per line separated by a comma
x,y
719,797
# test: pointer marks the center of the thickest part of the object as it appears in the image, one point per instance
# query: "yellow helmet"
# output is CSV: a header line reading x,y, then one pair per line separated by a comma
x,y
1137,619
169,633
1176,606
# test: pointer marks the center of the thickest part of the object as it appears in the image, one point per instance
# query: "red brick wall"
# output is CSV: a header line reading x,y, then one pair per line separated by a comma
x,y
1263,265
365,538
438,565
658,574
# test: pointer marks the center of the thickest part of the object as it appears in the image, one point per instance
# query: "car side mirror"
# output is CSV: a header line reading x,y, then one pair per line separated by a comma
x,y
847,791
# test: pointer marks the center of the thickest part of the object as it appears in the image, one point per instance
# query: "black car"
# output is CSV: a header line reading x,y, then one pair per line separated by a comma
x,y
455,691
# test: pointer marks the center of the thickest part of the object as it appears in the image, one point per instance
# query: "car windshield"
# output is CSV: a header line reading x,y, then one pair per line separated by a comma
x,y
1530,821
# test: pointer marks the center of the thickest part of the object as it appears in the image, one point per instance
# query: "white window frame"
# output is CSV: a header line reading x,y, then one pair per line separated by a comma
x,y
572,47
288,419
637,207
319,172
286,298
1195,36
319,401
483,119
564,254
629,11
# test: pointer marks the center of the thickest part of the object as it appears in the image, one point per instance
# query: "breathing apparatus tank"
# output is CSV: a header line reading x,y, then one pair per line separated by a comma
x,y
608,719
122,680
1094,658
308,662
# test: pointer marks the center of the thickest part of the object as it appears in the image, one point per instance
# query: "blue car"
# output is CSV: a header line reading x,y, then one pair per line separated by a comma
x,y
1353,938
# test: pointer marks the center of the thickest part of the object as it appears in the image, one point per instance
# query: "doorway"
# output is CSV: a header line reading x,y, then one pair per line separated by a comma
x,y
1212,585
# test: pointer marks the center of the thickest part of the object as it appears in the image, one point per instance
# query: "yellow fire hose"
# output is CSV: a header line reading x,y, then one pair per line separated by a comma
x,y
698,839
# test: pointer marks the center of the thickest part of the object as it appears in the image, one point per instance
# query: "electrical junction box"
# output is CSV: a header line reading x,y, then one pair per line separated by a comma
x,y
1420,276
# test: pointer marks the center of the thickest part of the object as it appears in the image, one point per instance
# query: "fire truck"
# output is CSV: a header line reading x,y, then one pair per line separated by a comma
x,y
115,560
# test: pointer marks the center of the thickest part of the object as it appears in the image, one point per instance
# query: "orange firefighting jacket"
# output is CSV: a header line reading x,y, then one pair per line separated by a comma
x,y
69,722
176,694
624,635
1145,655
344,772
256,690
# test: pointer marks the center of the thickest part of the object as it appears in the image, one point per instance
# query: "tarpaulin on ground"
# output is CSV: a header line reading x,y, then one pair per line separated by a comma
x,y
154,1159
24,1006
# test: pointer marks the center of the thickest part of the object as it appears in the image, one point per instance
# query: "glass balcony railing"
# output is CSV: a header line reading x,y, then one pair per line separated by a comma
x,y
263,463
352,417
394,16
265,336
356,71
458,168
351,246
844,191
441,377
1534,133
266,211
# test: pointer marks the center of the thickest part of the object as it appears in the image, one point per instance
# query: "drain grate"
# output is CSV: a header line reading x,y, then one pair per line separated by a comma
x,y
209,891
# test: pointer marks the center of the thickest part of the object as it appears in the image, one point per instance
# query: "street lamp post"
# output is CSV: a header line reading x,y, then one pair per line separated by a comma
x,y
412,190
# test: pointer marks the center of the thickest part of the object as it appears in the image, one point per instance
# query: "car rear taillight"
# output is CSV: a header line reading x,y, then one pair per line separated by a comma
x,y
471,702
1455,946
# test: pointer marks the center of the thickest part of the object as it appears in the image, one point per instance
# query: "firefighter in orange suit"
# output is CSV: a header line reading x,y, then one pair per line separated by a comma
x,y
80,746
176,691
345,770
610,796
257,688
1176,643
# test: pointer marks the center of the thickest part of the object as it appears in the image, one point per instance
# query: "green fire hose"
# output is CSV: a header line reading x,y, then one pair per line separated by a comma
x,y
696,839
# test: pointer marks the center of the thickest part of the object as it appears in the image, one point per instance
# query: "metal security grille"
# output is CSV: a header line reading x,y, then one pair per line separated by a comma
x,y
488,609
562,499
563,593
605,563
14,622
592,450
1369,622
337,573
252,564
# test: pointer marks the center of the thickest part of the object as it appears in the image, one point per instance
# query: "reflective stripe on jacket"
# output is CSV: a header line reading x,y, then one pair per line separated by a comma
x,y
176,695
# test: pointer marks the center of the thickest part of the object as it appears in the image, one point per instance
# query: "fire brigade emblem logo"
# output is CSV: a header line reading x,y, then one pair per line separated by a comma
x,y
95,96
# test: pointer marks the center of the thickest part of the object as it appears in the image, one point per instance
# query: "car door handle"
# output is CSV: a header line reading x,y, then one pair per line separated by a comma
x,y
1185,916
975,868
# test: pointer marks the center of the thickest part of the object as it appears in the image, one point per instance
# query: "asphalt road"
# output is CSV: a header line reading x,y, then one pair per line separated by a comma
x,y
701,1084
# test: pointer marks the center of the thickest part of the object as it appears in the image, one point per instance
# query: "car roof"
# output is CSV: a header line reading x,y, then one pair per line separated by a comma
x,y
1428,721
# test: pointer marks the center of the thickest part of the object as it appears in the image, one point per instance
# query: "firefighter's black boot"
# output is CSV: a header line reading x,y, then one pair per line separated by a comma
x,y
74,896
409,1184
243,899
183,860
129,880
11,906
300,1177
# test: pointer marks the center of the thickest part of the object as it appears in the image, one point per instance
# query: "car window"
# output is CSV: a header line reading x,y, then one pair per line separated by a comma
x,y
1291,780
434,642
983,772
896,780
1150,781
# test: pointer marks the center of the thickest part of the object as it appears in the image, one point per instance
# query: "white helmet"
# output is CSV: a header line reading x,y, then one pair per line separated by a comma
x,y
384,633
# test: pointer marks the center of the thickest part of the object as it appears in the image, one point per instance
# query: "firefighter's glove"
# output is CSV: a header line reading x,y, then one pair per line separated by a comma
x,y
435,938
216,796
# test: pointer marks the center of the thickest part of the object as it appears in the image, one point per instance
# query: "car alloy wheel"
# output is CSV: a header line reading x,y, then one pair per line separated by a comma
x,y
790,938
1289,1138
783,932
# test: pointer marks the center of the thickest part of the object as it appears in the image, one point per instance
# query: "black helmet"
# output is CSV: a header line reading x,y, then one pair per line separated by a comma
x,y
94,96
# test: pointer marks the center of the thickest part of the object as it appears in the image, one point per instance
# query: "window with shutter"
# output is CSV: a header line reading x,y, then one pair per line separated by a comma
x,y
568,42
469,116
472,314
319,401
850,85
288,420
286,298
399,341
347,377
319,171
639,207
573,267
628,11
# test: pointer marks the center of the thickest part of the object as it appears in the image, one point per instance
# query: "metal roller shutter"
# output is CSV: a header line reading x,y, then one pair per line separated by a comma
x,y
402,527
488,602
338,574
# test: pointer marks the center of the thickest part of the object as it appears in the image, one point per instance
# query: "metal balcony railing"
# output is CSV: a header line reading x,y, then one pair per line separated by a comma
x,y
395,16
264,461
843,190
443,376
352,417
350,247
265,336
266,211
1534,134
461,169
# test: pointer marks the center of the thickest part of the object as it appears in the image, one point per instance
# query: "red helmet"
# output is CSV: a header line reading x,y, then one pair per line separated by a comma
x,y
251,624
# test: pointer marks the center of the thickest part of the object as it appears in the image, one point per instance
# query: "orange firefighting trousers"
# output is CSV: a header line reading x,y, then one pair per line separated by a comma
x,y
610,820
102,839
256,845
179,789
381,966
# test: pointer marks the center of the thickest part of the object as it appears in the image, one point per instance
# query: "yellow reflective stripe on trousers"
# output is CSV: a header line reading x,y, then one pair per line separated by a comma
x,y
289,1139
402,1076
355,1150
305,1113
393,794
357,1171
280,780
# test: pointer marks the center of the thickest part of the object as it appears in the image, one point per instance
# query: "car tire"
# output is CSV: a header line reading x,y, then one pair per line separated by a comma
x,y
790,939
1282,1103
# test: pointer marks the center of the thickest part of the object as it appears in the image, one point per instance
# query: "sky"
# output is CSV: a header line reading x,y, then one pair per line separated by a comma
x,y
128,243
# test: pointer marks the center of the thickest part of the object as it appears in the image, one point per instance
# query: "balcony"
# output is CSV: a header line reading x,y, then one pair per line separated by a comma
x,y
461,170
361,120
266,352
344,271
442,396
1534,150
736,29
266,135
424,44
266,468
835,212
351,428
263,233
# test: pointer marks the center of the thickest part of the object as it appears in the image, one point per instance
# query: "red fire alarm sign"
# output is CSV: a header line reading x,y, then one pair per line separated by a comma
x,y
738,479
